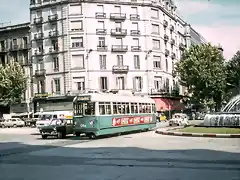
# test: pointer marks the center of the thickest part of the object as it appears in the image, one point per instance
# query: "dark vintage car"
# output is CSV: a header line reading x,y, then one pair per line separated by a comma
x,y
57,127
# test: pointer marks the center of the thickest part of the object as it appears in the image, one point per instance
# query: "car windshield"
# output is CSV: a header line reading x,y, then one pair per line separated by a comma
x,y
56,121
46,117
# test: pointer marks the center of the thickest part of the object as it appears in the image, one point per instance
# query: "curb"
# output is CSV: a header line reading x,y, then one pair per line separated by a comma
x,y
171,133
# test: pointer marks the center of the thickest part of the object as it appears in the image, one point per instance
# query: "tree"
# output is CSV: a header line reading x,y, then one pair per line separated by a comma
x,y
201,69
13,83
233,72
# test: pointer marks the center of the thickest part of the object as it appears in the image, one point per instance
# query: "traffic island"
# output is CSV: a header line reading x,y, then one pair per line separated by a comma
x,y
219,132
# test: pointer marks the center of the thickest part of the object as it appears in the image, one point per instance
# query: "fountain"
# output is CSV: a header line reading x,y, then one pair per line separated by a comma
x,y
228,117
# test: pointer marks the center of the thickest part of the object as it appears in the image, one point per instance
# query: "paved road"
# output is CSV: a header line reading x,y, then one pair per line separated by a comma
x,y
136,156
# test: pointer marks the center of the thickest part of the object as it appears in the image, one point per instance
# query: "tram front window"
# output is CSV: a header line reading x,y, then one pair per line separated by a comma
x,y
84,109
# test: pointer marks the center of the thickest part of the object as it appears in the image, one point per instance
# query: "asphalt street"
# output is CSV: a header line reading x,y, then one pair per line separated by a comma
x,y
138,156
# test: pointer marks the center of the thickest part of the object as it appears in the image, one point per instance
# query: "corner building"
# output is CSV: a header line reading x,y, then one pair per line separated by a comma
x,y
103,45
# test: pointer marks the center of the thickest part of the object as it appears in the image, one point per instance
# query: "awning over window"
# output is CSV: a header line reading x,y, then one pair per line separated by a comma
x,y
165,104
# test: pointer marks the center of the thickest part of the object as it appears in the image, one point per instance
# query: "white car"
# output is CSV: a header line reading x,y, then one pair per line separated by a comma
x,y
41,123
179,119
13,122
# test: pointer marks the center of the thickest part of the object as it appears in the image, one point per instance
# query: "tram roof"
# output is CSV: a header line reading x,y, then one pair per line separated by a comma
x,y
108,97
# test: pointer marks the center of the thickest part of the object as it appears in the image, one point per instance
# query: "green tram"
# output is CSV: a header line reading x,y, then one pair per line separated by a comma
x,y
99,114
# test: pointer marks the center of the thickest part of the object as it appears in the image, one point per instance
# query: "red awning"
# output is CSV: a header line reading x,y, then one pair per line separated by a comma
x,y
165,104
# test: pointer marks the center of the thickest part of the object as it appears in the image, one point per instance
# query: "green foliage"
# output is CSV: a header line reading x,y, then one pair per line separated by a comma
x,y
233,71
13,82
202,70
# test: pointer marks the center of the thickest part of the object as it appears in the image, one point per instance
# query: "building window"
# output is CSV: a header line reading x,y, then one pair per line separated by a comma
x,y
55,44
157,62
101,41
103,83
155,29
166,65
120,83
120,60
57,86
78,61
102,59
80,85
158,83
77,42
156,44
137,83
41,86
154,14
55,63
75,9
136,61
76,25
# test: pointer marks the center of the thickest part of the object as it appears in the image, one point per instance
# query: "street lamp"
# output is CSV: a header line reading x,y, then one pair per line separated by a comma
x,y
87,69
146,58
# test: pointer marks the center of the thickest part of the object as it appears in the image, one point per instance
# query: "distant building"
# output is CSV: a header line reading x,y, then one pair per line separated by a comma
x,y
15,47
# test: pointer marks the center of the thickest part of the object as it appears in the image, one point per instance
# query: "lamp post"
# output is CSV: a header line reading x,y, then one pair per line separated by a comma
x,y
146,58
87,69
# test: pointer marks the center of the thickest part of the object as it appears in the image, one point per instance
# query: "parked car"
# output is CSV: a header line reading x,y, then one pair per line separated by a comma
x,y
179,119
13,122
57,127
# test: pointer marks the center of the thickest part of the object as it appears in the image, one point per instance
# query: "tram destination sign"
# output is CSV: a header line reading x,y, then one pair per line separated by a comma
x,y
83,98
125,121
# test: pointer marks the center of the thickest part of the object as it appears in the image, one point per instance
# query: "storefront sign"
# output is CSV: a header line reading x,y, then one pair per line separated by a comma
x,y
124,121
41,95
83,98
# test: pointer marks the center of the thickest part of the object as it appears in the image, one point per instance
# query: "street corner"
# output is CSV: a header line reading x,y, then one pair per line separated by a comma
x,y
173,132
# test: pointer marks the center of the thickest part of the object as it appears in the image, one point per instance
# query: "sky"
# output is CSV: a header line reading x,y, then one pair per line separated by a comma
x,y
217,20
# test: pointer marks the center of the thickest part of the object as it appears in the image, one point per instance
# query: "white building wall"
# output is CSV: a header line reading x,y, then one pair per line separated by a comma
x,y
68,75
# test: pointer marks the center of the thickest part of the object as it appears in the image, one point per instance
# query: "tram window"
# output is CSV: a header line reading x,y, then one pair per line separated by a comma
x,y
84,109
134,108
115,108
127,108
153,108
149,108
140,108
105,108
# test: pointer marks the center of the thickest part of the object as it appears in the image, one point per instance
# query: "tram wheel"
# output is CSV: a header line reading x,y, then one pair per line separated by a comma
x,y
92,136
77,134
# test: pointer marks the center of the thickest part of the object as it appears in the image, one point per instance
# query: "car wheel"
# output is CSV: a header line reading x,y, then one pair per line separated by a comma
x,y
170,124
61,135
44,136
77,134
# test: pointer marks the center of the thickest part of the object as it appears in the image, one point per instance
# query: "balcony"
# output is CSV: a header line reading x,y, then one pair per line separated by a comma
x,y
13,48
166,38
119,48
24,62
118,16
38,53
101,31
134,17
38,20
24,46
53,50
182,46
120,69
166,52
165,92
173,56
53,34
165,23
171,28
102,48
172,42
100,15
40,72
118,32
135,48
38,36
53,18
135,33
